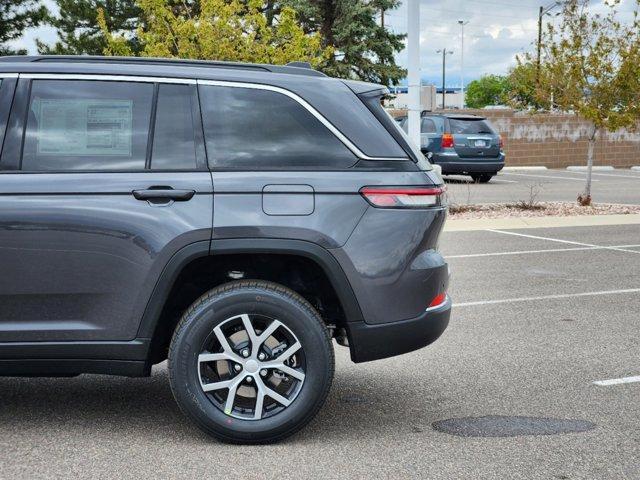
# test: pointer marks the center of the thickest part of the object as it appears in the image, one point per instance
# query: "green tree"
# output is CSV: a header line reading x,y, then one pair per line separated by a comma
x,y
79,33
487,90
15,17
363,49
590,66
522,85
232,30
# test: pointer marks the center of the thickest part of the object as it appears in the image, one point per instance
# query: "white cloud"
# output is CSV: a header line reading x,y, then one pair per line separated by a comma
x,y
497,31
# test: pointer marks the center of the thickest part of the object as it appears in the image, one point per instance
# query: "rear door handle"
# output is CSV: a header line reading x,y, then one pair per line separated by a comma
x,y
164,193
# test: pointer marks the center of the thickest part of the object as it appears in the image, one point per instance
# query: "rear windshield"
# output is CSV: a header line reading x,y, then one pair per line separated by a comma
x,y
461,126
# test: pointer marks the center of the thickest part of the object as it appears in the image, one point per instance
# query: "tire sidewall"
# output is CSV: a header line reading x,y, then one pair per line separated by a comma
x,y
190,340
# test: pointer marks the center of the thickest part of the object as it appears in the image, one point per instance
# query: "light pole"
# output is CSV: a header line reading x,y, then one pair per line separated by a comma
x,y
444,52
462,23
413,47
541,13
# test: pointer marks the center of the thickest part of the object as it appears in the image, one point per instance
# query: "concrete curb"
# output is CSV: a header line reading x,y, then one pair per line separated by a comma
x,y
460,225
516,169
636,168
579,168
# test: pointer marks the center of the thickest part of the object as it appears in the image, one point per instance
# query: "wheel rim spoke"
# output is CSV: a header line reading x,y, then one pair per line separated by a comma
x,y
224,343
231,397
273,326
256,372
251,333
297,374
210,387
289,351
259,401
213,357
276,396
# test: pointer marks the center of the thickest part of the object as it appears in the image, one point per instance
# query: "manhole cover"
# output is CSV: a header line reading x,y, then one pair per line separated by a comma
x,y
502,426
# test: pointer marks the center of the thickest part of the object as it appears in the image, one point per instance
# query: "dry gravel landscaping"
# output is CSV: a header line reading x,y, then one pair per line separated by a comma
x,y
538,209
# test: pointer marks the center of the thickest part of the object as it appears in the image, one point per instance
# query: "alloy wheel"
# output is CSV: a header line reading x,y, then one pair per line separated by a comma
x,y
251,367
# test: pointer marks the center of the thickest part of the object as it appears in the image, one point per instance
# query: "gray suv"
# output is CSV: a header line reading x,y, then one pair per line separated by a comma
x,y
229,218
461,144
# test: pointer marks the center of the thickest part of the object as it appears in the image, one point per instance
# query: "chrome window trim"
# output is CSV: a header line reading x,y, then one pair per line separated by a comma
x,y
307,106
9,75
110,78
220,83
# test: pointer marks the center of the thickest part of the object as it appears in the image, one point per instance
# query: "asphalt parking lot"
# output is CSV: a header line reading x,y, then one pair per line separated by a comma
x,y
614,186
536,321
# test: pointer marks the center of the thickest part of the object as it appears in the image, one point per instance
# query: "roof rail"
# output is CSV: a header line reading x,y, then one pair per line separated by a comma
x,y
300,65
299,68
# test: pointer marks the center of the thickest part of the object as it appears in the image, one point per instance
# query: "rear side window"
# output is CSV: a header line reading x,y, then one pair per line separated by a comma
x,y
428,126
174,142
461,126
87,125
252,128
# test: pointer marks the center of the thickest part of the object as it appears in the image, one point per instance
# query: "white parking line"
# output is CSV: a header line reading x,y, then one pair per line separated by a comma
x,y
617,381
506,181
546,297
548,176
525,252
617,249
609,175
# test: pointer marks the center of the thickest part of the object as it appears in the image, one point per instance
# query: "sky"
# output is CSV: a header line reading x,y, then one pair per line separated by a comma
x,y
497,31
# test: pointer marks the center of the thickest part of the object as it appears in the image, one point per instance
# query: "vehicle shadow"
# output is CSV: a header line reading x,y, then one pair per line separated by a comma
x,y
91,402
144,408
459,181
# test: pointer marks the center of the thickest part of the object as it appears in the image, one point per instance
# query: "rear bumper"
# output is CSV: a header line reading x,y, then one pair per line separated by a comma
x,y
454,164
372,342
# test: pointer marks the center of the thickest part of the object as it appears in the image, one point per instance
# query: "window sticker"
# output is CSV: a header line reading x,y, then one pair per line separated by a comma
x,y
84,126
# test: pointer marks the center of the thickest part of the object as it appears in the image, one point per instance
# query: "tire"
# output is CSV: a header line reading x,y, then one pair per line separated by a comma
x,y
196,363
482,177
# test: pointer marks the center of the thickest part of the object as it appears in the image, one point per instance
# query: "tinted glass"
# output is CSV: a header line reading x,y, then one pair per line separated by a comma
x,y
87,125
428,126
469,126
250,128
401,128
174,144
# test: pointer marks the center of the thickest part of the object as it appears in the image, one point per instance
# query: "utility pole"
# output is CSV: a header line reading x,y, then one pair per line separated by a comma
x,y
444,52
413,47
462,23
541,13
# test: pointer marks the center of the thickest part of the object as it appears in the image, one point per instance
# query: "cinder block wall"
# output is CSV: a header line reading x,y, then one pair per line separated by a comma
x,y
557,140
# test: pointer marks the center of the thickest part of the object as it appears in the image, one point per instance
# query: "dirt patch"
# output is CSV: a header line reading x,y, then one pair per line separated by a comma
x,y
539,209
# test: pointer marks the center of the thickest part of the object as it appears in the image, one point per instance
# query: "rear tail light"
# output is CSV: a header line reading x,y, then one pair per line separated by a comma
x,y
403,197
447,140
438,301
501,142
